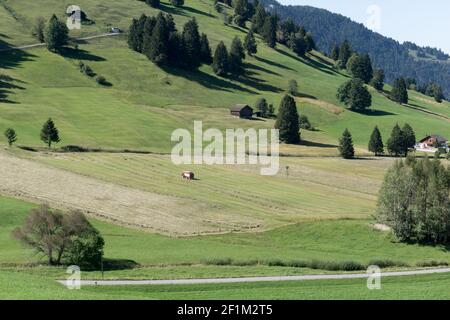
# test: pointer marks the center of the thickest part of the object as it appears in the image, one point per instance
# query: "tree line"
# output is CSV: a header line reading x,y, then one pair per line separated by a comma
x,y
159,40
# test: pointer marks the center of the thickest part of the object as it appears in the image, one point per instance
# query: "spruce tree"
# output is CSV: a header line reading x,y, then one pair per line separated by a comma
x,y
310,44
345,52
399,91
378,80
176,55
57,34
396,143
287,121
49,133
158,50
409,136
191,38
335,52
250,43
237,54
205,50
376,142
262,107
147,33
11,136
259,18
270,31
346,148
141,31
220,60
133,36
240,8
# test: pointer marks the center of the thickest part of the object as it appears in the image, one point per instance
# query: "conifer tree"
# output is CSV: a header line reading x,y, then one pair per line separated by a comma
x,y
346,148
176,53
11,136
409,136
335,53
237,54
147,33
259,18
205,50
158,50
220,60
49,133
270,31
191,38
376,142
345,52
310,44
396,143
378,80
287,121
133,36
57,34
399,91
153,3
262,107
250,43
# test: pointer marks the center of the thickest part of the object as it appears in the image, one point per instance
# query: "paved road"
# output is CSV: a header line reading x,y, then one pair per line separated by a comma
x,y
36,45
253,279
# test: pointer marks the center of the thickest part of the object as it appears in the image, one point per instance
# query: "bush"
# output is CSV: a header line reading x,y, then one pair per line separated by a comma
x,y
431,263
387,263
101,81
73,148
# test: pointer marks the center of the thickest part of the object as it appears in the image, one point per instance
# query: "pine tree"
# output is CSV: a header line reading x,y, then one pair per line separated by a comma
x,y
250,43
310,44
287,121
141,29
240,8
298,44
360,67
158,51
270,31
237,54
11,136
335,53
346,148
376,142
399,91
133,36
147,33
396,143
176,55
259,18
378,80
345,52
262,107
57,34
191,38
409,136
220,60
293,87
49,133
205,50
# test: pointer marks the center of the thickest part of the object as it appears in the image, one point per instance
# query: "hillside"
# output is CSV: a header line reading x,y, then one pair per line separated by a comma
x,y
145,103
397,59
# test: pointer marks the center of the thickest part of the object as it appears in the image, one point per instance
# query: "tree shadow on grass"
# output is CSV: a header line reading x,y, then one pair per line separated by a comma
x,y
119,264
305,95
79,54
258,84
172,10
316,144
6,85
13,58
376,113
207,80
250,66
272,63
312,63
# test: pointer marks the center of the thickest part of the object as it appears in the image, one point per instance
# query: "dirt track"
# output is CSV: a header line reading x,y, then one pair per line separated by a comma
x,y
36,182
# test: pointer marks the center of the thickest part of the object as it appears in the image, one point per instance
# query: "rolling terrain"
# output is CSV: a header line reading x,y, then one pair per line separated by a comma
x,y
231,221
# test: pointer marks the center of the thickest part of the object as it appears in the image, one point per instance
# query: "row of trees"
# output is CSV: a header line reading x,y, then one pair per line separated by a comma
x,y
401,141
414,201
49,134
158,39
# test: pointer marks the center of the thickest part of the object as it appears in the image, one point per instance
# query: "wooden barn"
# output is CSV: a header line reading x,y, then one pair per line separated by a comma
x,y
242,111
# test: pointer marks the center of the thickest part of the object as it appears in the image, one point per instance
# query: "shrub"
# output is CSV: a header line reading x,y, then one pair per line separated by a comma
x,y
73,148
101,81
431,263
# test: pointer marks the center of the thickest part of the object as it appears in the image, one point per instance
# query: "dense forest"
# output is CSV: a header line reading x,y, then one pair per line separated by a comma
x,y
390,55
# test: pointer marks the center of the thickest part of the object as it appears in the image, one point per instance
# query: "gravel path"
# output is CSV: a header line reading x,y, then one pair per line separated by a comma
x,y
254,279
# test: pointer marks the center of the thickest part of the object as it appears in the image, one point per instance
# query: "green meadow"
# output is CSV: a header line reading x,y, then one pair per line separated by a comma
x,y
320,209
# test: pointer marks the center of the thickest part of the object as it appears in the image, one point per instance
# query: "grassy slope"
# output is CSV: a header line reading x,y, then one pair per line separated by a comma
x,y
88,115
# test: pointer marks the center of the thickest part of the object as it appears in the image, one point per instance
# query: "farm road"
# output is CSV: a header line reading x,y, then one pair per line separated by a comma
x,y
254,279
